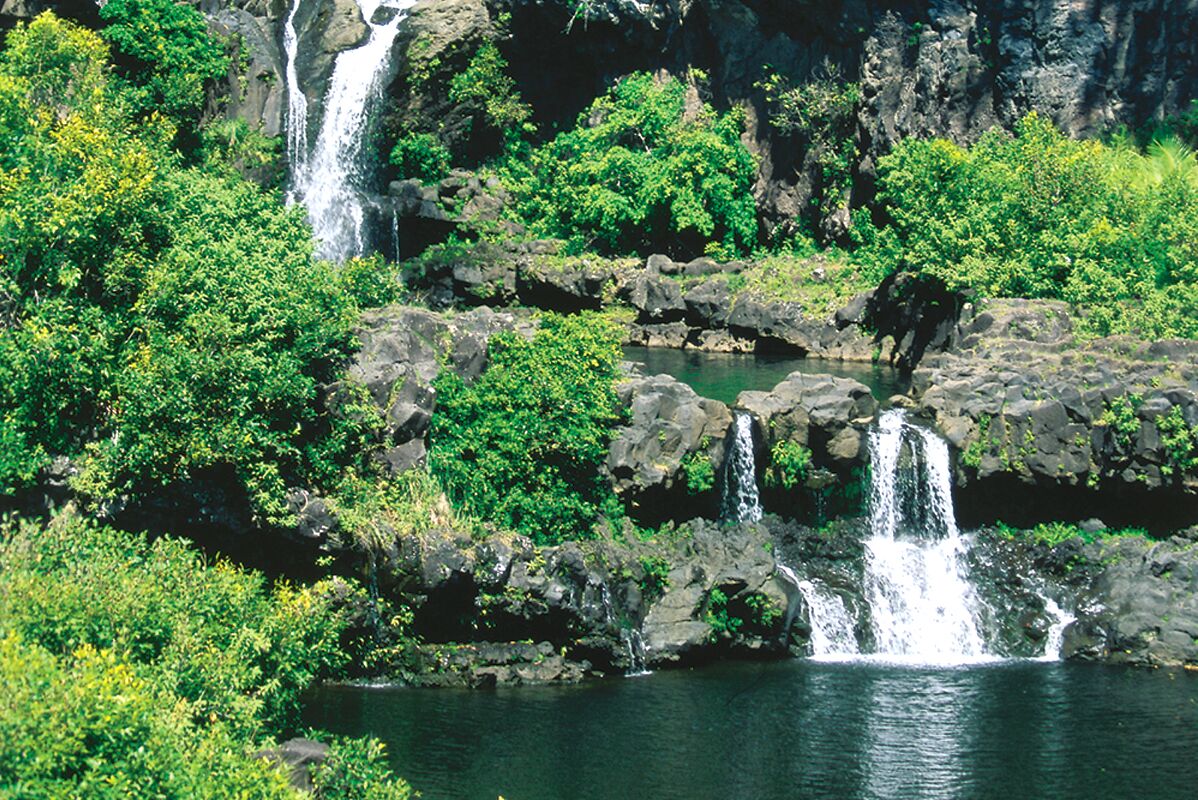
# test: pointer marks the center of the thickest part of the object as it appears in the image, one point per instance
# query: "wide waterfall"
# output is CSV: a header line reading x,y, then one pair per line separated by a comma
x,y
922,607
331,177
741,500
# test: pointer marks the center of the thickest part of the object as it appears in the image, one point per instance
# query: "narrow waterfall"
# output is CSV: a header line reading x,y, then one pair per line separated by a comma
x,y
922,606
330,178
1056,632
832,634
741,501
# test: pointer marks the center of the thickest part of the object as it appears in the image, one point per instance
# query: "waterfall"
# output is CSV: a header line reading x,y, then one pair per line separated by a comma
x,y
1062,619
297,104
923,607
832,633
741,501
330,179
636,652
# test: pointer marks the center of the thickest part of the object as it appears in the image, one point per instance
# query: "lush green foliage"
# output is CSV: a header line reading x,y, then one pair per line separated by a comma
x,y
1052,534
717,616
789,462
1180,442
486,86
700,474
1035,214
523,445
421,156
159,323
821,112
655,579
158,606
642,172
165,51
136,669
357,768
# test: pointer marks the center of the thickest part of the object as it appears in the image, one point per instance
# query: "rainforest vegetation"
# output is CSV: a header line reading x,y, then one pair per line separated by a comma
x,y
163,320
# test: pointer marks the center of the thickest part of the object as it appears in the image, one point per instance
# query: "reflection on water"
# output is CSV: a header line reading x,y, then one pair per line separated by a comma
x,y
795,730
722,376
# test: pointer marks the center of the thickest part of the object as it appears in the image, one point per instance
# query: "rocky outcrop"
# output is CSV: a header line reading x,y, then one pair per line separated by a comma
x,y
670,428
602,606
1141,605
256,89
403,349
811,431
1108,422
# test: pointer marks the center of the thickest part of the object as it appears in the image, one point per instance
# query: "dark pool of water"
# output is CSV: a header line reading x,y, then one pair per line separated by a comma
x,y
722,376
795,729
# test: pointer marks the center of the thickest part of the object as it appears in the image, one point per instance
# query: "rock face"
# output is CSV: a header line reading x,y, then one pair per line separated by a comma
x,y
1024,405
402,352
592,607
669,426
828,419
1141,607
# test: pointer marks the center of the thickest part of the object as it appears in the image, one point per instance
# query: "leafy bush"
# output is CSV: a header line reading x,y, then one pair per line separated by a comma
x,y
136,669
421,156
641,172
159,323
523,445
89,726
700,474
656,577
485,86
789,462
357,768
1035,214
158,605
1052,534
165,51
821,112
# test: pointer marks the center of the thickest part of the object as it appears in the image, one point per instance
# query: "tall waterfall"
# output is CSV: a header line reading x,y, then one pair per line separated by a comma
x,y
330,177
922,606
741,501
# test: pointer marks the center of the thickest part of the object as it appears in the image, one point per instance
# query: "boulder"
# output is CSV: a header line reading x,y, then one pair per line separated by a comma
x,y
669,423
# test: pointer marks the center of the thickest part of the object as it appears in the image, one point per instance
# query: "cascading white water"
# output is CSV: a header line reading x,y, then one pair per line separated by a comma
x,y
1055,639
330,179
297,103
741,501
922,606
832,634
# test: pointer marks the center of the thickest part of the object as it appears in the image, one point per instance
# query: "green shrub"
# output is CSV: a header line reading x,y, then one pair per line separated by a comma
x,y
165,51
1035,214
422,157
160,607
656,578
1121,416
722,623
137,669
700,474
523,445
486,86
1179,441
89,726
789,462
159,323
822,113
1052,534
356,769
640,173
